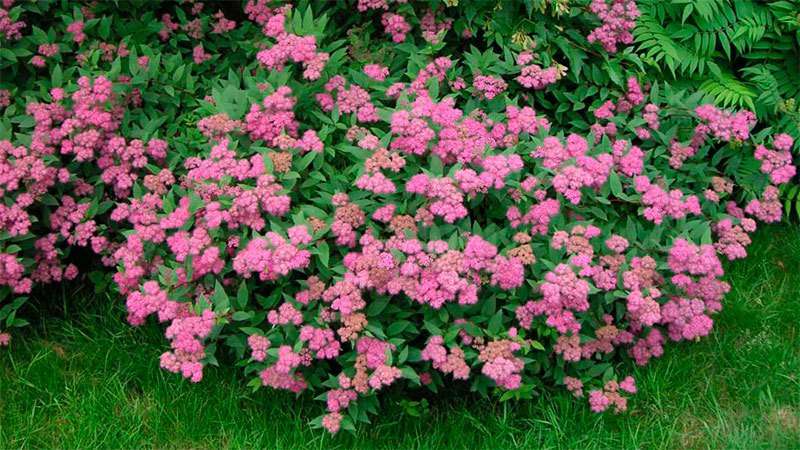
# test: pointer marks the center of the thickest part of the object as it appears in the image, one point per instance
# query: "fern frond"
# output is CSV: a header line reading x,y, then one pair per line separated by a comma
x,y
728,91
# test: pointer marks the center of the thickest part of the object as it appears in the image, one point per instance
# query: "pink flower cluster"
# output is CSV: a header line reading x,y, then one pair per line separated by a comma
x,y
619,19
376,71
291,47
9,28
610,395
563,293
447,201
488,86
777,163
186,335
587,171
282,374
501,365
396,26
353,99
659,203
723,125
270,257
768,208
451,362
432,29
532,76
12,274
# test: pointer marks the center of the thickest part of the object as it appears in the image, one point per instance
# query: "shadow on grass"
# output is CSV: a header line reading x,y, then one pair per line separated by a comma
x,y
83,378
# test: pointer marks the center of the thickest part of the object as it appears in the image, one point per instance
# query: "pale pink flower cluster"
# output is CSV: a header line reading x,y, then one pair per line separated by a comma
x,y
619,19
633,96
679,153
630,162
291,47
284,315
586,171
48,50
686,318
45,51
151,300
489,86
696,269
650,115
651,346
5,98
337,400
660,203
574,385
374,355
218,125
524,120
644,309
430,274
167,28
495,170
348,217
451,362
501,365
777,163
259,11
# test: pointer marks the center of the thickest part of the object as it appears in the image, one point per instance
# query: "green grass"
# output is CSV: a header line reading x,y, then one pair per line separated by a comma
x,y
86,379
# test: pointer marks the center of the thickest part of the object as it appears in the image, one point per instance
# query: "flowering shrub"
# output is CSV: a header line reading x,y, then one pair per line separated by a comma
x,y
343,210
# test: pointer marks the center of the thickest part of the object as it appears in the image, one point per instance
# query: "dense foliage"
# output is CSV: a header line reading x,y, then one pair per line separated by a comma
x,y
500,194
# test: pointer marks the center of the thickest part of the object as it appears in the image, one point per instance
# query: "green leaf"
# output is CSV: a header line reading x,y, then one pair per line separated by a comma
x,y
323,253
220,299
615,184
496,323
242,296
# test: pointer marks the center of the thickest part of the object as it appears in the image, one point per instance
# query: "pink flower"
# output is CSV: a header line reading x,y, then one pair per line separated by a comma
x,y
376,71
199,55
76,28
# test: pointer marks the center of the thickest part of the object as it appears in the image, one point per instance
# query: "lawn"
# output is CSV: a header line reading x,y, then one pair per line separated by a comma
x,y
86,379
